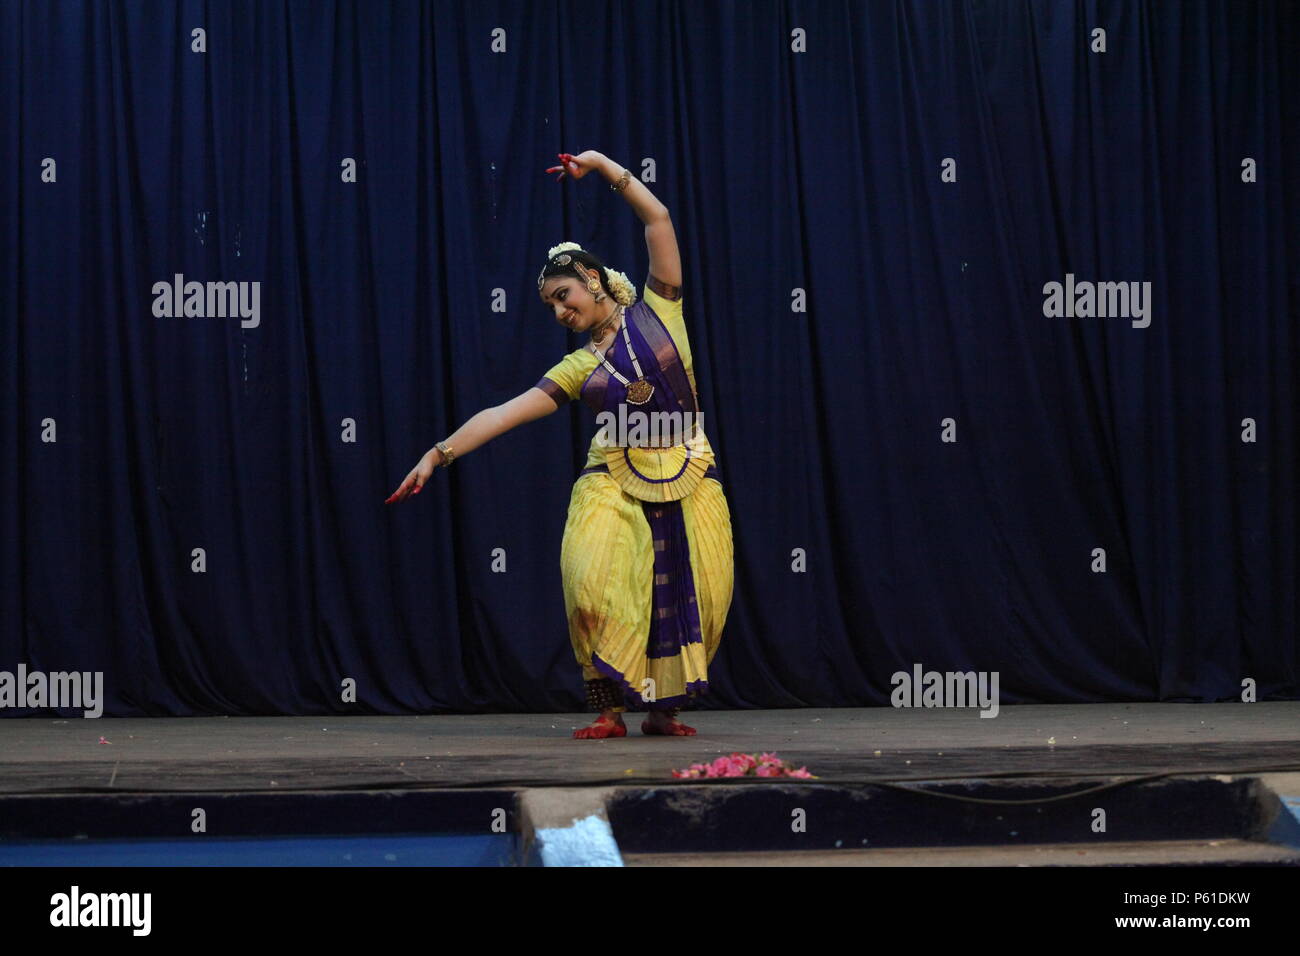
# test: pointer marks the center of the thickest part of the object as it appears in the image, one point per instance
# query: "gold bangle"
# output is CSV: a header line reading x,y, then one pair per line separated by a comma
x,y
623,180
448,456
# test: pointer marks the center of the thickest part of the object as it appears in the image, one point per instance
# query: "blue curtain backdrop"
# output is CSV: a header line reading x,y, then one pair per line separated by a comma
x,y
817,168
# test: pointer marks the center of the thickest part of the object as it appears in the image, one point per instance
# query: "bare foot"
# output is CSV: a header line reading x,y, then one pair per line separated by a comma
x,y
662,724
608,724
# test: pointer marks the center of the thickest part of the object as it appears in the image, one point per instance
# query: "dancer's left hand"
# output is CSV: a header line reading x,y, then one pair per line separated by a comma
x,y
577,166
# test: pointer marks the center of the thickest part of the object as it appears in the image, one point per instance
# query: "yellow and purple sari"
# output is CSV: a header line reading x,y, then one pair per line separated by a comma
x,y
646,560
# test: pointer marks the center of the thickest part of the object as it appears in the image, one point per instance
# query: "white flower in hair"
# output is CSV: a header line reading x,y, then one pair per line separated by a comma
x,y
556,250
621,287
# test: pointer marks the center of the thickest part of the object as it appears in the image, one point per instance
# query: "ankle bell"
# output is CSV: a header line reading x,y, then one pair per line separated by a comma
x,y
603,694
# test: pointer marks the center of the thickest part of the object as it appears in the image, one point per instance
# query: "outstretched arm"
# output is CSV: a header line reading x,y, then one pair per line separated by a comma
x,y
481,428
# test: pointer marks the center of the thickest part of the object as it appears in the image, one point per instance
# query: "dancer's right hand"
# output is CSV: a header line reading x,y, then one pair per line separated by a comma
x,y
414,482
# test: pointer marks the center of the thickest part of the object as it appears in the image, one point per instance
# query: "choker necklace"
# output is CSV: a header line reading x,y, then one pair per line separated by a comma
x,y
598,334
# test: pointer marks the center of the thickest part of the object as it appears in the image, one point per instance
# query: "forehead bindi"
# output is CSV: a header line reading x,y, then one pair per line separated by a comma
x,y
555,291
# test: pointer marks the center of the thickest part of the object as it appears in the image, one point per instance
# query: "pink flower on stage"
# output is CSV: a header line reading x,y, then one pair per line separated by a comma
x,y
737,767
745,765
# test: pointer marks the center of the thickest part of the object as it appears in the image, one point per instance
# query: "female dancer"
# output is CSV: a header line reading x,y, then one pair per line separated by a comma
x,y
646,559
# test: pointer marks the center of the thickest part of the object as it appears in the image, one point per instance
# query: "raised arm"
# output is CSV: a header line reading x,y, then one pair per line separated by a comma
x,y
665,260
660,239
480,429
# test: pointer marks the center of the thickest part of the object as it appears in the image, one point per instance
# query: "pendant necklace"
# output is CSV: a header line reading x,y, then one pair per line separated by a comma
x,y
638,392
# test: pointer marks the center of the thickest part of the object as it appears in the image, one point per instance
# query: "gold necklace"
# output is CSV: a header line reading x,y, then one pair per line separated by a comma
x,y
603,327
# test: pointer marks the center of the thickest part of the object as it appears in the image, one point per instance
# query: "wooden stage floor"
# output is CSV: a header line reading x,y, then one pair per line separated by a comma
x,y
51,755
